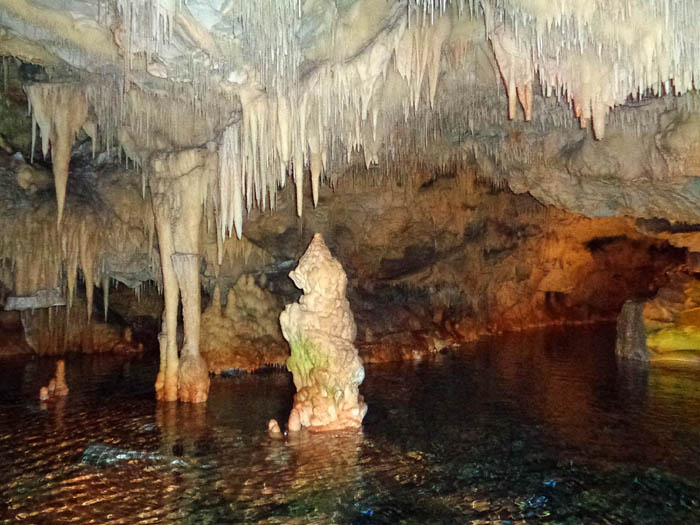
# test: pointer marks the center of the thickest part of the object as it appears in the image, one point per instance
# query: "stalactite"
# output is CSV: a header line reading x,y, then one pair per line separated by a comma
x,y
60,110
105,294
87,263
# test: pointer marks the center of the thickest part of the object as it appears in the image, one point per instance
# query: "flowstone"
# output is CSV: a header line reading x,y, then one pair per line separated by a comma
x,y
320,330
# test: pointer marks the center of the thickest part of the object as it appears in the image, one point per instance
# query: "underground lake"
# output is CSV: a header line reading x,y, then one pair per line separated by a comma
x,y
537,427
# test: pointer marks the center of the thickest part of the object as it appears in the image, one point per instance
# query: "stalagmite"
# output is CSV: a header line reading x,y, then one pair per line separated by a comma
x,y
273,429
193,375
171,298
61,388
163,364
44,393
320,330
57,386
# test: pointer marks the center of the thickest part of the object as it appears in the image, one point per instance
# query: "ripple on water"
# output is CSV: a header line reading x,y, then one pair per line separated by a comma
x,y
537,427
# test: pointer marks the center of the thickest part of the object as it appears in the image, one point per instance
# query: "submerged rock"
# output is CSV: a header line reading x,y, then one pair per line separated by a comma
x,y
273,428
320,330
101,455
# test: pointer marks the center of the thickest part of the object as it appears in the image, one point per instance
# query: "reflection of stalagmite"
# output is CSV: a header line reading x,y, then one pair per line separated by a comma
x,y
178,188
311,465
182,427
320,330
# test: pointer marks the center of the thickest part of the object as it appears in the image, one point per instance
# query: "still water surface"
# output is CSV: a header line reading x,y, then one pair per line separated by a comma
x,y
534,428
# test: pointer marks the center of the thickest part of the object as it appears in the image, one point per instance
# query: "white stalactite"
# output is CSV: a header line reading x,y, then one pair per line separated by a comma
x,y
60,110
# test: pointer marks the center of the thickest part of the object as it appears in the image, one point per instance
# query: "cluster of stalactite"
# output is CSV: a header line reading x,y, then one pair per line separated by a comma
x,y
302,91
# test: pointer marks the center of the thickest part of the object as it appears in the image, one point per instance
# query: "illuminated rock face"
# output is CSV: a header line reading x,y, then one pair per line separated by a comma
x,y
320,330
663,331
671,322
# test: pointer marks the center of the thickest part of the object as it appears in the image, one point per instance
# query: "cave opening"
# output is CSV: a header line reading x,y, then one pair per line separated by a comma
x,y
324,261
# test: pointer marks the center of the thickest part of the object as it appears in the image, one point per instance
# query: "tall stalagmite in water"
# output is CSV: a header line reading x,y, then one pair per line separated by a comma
x,y
320,330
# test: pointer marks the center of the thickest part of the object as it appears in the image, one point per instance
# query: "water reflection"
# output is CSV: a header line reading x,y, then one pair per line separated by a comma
x,y
537,427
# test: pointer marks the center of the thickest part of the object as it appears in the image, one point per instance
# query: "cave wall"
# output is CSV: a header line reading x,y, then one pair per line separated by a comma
x,y
403,141
447,256
433,256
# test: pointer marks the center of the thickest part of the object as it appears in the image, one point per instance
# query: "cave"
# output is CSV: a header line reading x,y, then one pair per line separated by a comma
x,y
349,261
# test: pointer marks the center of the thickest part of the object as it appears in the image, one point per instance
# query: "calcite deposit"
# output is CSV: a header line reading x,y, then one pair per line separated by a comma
x,y
320,330
57,387
475,166
245,334
178,190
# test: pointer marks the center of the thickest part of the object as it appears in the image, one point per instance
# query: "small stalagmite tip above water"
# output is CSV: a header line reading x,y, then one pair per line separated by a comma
x,y
57,387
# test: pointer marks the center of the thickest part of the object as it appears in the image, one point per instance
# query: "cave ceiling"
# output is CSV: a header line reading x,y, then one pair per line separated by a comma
x,y
589,105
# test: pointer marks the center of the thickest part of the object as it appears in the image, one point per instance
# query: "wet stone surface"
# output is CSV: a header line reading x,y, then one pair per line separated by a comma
x,y
531,428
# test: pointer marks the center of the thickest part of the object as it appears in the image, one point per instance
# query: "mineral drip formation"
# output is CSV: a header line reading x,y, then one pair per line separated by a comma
x,y
320,330
60,110
178,188
289,89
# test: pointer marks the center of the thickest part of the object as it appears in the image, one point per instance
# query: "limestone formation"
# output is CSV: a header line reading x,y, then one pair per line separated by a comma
x,y
320,330
193,374
244,335
57,330
178,190
631,340
663,330
61,388
57,387
671,322
190,118
60,110
273,428
311,85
